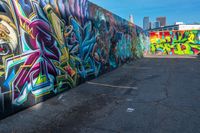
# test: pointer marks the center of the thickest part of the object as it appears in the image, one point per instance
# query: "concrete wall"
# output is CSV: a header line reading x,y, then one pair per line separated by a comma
x,y
49,46
175,42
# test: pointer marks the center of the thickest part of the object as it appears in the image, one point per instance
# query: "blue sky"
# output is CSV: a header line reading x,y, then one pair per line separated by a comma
x,y
187,11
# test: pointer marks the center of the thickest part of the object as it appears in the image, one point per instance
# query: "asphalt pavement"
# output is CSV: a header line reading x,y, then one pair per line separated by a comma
x,y
157,94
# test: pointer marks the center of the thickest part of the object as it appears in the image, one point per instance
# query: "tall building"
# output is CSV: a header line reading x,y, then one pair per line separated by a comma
x,y
155,25
162,20
146,23
131,18
150,25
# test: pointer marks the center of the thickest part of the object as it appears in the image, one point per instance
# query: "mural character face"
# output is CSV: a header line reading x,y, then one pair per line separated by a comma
x,y
8,37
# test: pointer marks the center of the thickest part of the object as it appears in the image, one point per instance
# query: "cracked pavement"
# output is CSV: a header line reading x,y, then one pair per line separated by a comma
x,y
151,95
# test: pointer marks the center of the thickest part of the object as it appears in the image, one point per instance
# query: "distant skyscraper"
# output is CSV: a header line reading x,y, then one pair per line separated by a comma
x,y
162,21
131,18
156,25
146,23
150,25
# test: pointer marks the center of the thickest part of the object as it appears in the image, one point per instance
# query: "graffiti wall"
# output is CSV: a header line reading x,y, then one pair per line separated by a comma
x,y
49,46
175,42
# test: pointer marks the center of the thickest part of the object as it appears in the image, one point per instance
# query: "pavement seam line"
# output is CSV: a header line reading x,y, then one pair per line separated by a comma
x,y
113,86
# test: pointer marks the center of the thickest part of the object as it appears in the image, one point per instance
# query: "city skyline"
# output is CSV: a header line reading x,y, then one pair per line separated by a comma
x,y
160,21
175,11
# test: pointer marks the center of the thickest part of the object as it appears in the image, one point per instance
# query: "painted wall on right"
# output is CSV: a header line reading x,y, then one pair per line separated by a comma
x,y
175,42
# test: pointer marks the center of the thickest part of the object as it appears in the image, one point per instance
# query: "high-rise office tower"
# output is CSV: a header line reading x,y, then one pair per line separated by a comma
x,y
131,18
150,25
155,25
146,23
162,20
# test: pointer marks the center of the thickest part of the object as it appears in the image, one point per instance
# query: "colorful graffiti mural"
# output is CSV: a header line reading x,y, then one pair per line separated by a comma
x,y
175,42
47,47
